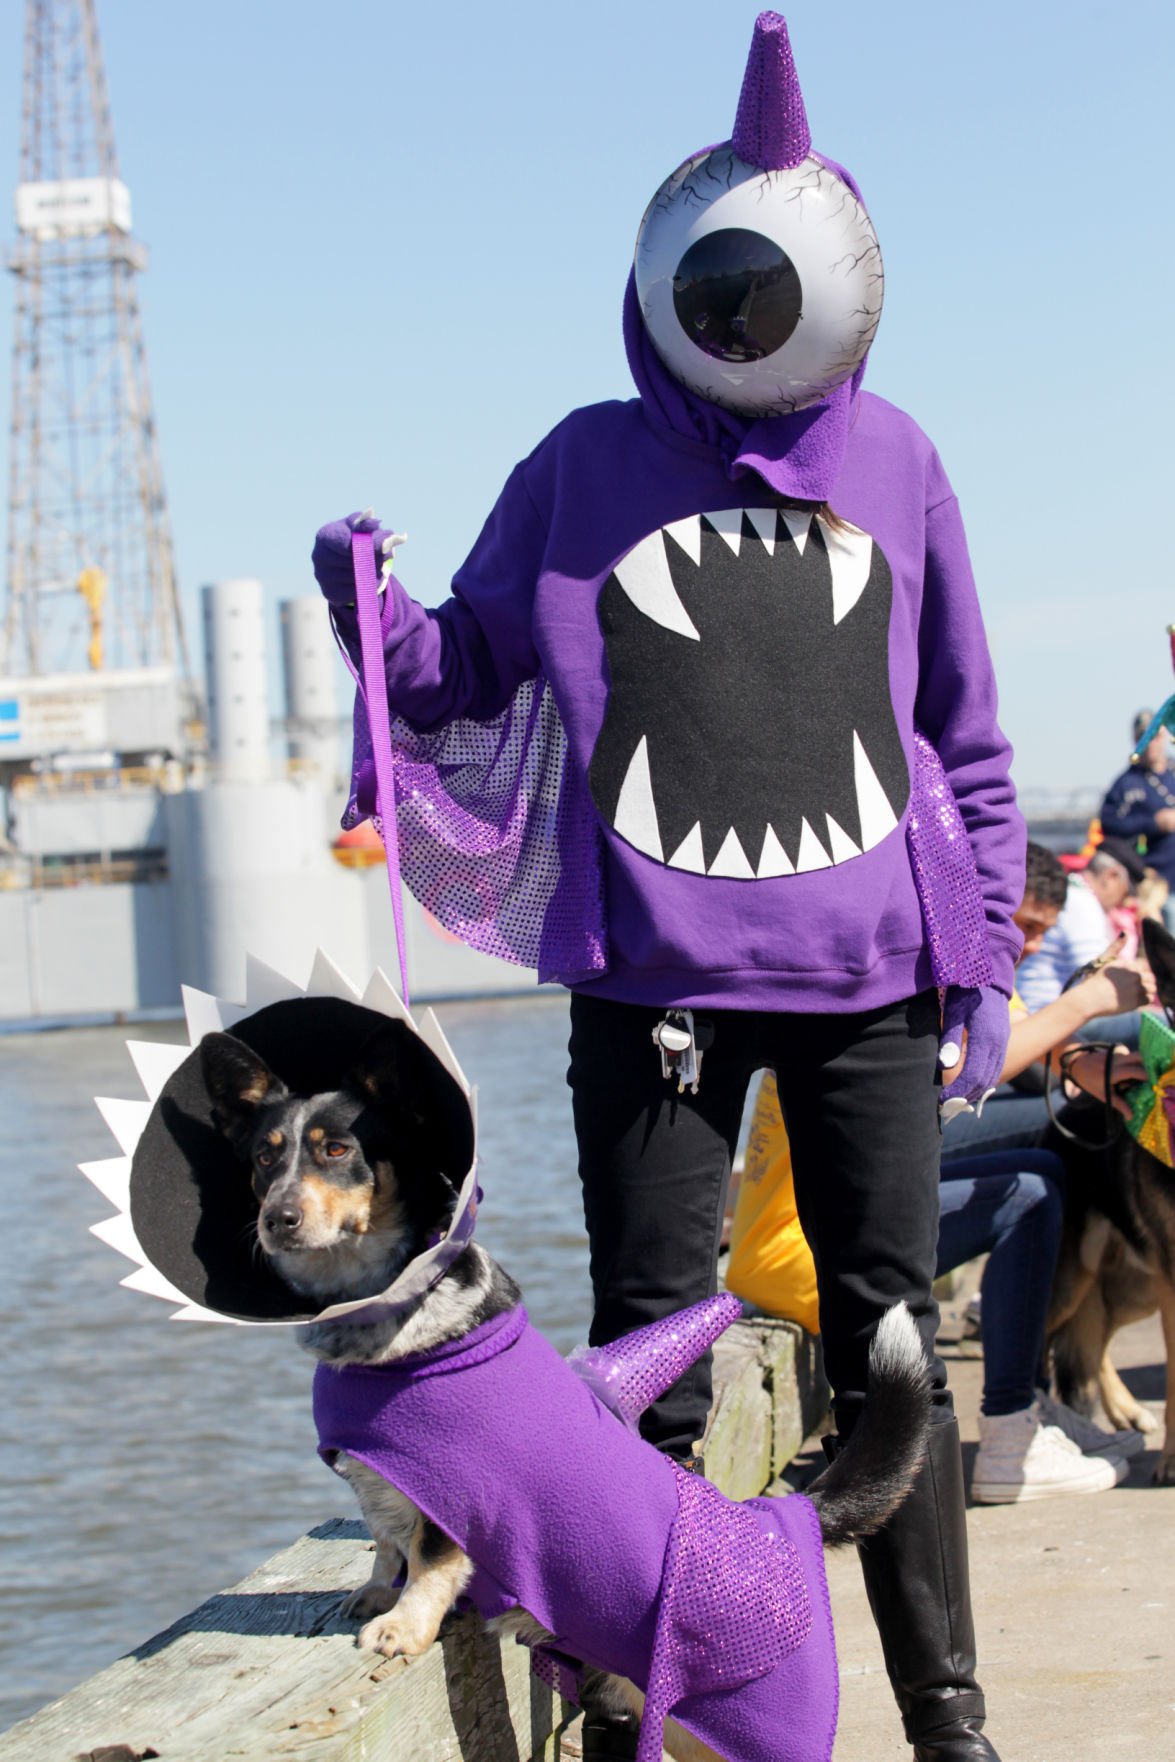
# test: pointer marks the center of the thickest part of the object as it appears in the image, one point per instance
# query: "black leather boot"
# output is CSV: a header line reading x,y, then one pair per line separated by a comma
x,y
610,1737
916,1579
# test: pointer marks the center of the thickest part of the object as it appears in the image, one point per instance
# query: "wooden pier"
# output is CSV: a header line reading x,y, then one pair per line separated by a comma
x,y
266,1671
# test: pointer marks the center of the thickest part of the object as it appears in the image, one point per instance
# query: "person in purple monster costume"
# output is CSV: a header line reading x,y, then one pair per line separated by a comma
x,y
707,732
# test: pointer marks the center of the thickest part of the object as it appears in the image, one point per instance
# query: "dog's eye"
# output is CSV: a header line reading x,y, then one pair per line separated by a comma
x,y
334,1148
264,1158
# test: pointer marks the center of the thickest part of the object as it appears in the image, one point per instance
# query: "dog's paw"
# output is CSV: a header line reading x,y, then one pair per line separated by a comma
x,y
1165,1472
395,1637
373,1598
1134,1418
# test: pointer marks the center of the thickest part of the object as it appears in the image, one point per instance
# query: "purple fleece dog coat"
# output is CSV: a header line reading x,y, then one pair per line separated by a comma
x,y
717,1610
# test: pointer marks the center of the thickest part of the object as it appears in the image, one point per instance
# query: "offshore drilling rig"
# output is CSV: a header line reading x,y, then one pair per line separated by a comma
x,y
137,851
90,578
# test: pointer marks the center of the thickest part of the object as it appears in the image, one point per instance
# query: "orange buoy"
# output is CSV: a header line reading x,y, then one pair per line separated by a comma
x,y
359,848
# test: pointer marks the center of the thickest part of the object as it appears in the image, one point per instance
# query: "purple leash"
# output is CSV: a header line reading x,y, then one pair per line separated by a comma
x,y
374,687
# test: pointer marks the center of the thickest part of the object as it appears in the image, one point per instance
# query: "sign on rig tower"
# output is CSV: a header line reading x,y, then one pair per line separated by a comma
x,y
90,582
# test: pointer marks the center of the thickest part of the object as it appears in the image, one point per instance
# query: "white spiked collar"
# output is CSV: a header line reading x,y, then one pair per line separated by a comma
x,y
182,1212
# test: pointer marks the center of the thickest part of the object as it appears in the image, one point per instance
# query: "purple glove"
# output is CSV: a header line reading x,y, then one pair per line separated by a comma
x,y
331,555
983,1012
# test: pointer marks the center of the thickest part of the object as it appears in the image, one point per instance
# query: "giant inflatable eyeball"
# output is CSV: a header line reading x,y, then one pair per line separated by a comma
x,y
760,290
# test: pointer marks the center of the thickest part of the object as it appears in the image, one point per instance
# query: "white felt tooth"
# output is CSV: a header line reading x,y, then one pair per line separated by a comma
x,y
812,854
152,1283
728,524
382,995
689,853
732,860
327,981
156,1061
644,576
265,985
433,1035
688,534
119,1233
112,1179
636,811
773,859
850,557
763,520
839,842
193,1312
877,818
126,1120
202,1013
799,523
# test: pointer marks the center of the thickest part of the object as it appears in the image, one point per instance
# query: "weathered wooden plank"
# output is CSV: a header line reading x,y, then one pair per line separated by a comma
x,y
267,1672
738,1439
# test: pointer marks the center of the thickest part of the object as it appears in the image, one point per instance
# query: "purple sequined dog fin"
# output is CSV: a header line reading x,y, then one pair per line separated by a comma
x,y
630,1373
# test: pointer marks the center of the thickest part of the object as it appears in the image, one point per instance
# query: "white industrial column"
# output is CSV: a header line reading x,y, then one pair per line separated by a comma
x,y
238,692
310,662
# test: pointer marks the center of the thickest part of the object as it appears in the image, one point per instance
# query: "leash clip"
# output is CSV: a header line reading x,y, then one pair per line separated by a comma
x,y
676,1041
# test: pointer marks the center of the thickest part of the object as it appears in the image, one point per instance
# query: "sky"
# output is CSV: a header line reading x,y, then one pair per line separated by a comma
x,y
388,246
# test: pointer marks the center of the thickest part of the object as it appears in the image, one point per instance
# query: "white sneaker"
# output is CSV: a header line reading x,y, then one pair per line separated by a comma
x,y
1090,1439
1021,1458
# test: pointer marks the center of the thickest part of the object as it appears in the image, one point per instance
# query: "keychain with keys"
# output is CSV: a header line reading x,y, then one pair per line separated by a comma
x,y
676,1041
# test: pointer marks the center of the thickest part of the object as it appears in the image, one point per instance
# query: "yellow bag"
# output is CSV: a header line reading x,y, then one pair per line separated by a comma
x,y
770,1261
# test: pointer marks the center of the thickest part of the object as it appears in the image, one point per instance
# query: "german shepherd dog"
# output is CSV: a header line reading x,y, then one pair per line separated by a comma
x,y
346,1198
1117,1258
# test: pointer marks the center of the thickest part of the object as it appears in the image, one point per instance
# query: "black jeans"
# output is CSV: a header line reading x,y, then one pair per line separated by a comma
x,y
860,1098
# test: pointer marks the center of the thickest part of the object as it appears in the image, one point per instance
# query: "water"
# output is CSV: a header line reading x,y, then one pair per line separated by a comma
x,y
145,1464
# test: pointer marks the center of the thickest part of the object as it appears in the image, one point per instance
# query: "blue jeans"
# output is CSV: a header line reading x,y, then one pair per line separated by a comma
x,y
1119,1030
1008,1206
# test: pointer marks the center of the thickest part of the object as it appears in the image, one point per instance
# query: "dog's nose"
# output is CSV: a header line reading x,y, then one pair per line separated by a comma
x,y
283,1220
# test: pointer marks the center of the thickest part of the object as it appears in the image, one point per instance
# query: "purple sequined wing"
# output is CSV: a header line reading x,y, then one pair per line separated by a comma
x,y
734,1602
497,837
945,875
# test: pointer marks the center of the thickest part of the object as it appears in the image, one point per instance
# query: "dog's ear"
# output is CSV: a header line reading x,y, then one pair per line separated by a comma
x,y
387,1071
239,1082
1160,952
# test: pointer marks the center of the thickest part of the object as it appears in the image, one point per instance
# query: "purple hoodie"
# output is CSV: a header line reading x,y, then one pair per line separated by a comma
x,y
668,736
719,1610
738,696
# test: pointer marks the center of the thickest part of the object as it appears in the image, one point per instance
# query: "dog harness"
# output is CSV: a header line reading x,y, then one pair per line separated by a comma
x,y
717,1609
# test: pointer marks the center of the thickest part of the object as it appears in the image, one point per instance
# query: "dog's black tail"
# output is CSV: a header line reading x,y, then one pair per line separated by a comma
x,y
868,1479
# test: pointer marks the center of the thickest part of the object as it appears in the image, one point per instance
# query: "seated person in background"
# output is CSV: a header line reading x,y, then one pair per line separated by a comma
x,y
1007,1206
1084,928
1140,804
1012,1117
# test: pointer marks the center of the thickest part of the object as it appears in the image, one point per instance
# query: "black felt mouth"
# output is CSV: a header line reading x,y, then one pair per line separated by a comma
x,y
750,730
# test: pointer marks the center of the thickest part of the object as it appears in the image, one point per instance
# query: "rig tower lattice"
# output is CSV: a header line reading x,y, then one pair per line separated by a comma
x,y
90,580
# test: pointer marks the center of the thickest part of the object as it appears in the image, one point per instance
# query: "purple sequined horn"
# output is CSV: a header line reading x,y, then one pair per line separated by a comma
x,y
771,128
630,1373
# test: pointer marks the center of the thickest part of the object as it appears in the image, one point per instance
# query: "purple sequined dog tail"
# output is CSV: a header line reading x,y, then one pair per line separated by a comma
x,y
771,128
631,1372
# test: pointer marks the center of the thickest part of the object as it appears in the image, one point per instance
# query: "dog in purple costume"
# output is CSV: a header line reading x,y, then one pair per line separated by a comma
x,y
480,1458
714,1610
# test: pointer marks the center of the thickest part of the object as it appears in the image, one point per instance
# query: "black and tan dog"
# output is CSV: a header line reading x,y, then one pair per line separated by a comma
x,y
1117,1259
347,1195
